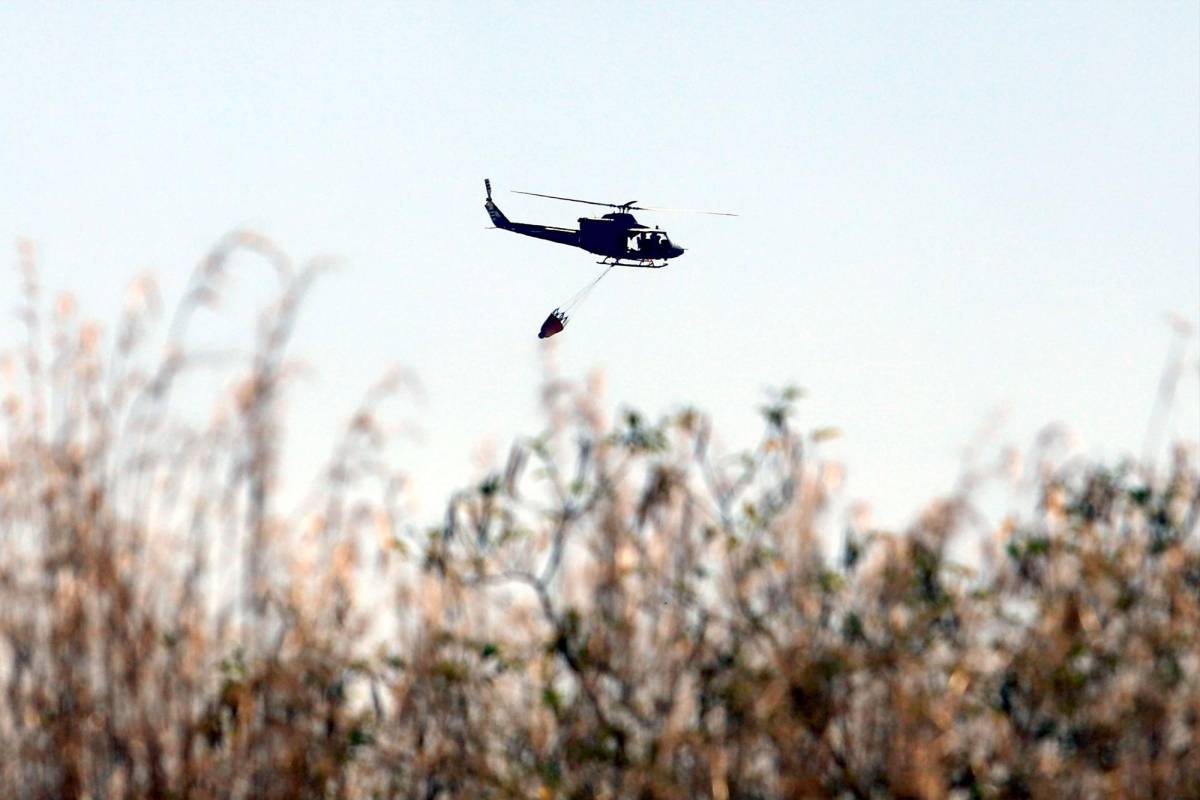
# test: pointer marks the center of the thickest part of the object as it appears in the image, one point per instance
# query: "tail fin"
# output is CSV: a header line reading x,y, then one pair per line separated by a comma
x,y
495,213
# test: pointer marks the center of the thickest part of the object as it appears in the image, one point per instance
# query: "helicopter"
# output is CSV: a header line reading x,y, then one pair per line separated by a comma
x,y
617,237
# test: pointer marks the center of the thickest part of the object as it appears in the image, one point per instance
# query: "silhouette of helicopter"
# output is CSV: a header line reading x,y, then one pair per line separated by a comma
x,y
617,237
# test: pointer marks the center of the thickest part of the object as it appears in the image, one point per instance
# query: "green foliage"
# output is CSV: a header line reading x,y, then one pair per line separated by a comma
x,y
638,437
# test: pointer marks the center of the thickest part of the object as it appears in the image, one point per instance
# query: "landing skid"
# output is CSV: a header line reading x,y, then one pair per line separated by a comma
x,y
645,263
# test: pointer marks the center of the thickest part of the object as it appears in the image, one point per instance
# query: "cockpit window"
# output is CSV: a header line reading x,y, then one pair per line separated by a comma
x,y
649,241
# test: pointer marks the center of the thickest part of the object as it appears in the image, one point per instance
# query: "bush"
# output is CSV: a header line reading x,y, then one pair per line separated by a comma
x,y
621,611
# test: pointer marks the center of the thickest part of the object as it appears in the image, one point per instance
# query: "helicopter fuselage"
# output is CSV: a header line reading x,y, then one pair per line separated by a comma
x,y
616,236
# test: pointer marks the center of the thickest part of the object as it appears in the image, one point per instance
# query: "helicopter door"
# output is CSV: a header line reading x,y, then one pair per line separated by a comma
x,y
648,242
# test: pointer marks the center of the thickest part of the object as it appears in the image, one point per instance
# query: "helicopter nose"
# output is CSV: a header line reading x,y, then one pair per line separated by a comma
x,y
676,250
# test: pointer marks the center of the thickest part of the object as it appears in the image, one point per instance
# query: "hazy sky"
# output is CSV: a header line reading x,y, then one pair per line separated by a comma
x,y
946,209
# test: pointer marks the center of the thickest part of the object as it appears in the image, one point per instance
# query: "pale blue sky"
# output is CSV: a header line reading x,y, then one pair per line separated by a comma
x,y
946,208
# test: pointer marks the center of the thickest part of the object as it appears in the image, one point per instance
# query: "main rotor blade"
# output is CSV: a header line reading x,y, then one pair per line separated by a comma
x,y
627,206
568,199
683,211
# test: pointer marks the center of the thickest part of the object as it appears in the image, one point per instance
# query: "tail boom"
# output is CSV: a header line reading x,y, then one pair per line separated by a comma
x,y
568,236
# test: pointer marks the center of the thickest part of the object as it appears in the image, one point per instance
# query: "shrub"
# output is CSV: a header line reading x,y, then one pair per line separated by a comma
x,y
620,611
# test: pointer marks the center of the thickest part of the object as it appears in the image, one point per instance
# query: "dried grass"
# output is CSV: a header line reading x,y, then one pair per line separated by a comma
x,y
619,611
